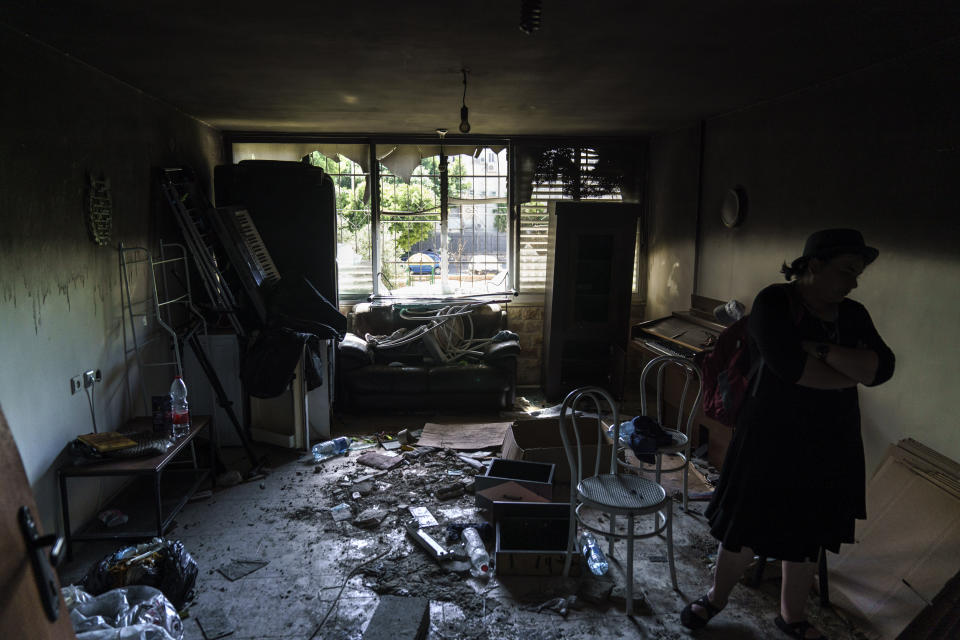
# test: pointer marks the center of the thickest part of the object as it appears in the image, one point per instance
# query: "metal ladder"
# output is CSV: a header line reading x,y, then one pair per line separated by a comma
x,y
156,305
189,205
191,209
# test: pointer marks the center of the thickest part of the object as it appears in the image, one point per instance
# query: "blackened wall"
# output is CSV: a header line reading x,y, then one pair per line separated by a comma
x,y
878,150
59,292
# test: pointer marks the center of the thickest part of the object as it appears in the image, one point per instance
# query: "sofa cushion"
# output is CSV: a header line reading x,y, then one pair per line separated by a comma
x,y
466,378
384,380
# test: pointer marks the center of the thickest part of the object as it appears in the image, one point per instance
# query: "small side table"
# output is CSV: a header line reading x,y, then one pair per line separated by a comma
x,y
182,484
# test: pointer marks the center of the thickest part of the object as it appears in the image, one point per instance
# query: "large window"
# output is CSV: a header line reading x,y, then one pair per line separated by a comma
x,y
426,253
396,238
354,240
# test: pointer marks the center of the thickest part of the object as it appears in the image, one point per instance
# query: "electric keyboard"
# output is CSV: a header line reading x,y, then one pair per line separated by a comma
x,y
255,245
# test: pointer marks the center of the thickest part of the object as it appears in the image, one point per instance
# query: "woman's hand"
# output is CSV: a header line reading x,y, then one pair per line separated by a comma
x,y
858,364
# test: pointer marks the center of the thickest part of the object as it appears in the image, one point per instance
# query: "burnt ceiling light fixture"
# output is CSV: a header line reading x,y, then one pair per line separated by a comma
x,y
464,112
530,16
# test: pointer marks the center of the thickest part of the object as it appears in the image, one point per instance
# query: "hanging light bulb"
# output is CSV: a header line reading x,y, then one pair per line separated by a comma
x,y
443,156
464,112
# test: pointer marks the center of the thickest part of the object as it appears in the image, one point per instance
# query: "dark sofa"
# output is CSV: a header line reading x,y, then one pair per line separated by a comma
x,y
421,375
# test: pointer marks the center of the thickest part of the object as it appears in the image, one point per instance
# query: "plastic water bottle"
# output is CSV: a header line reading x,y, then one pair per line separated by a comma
x,y
590,549
330,448
626,429
179,409
479,558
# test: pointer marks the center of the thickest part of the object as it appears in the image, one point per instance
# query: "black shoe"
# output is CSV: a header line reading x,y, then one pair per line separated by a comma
x,y
691,620
796,629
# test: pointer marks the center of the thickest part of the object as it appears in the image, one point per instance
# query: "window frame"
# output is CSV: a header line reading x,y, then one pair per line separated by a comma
x,y
514,291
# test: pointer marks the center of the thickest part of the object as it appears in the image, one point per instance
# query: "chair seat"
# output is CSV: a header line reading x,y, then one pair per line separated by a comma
x,y
622,491
679,441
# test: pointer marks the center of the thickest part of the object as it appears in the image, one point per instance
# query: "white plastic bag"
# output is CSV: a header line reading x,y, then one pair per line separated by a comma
x,y
135,612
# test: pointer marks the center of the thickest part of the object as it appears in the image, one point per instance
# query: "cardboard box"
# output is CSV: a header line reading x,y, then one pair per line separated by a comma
x,y
505,492
909,546
536,477
539,441
532,539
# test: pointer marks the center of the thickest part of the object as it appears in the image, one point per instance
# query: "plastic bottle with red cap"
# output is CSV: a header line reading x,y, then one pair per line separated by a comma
x,y
479,558
179,409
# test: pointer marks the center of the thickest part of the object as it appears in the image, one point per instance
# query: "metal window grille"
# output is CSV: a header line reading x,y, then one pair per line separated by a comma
x,y
534,225
475,257
354,270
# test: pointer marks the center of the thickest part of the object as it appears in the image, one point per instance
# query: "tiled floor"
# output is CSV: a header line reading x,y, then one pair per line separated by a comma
x,y
312,575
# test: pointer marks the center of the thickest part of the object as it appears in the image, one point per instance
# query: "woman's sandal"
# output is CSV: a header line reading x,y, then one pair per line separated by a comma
x,y
691,620
796,629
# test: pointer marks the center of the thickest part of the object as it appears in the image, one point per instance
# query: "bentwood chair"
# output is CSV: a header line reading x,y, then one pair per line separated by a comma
x,y
606,490
679,430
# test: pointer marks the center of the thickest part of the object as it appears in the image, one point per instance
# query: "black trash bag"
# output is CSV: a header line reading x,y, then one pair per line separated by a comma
x,y
163,564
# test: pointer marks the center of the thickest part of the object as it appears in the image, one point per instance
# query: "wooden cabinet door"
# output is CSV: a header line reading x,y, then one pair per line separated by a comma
x,y
587,302
22,613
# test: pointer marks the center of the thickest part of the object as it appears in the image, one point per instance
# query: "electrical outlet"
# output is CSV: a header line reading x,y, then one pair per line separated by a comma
x,y
89,377
97,376
76,383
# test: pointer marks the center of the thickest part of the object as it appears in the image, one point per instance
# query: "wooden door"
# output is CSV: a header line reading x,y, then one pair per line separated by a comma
x,y
22,613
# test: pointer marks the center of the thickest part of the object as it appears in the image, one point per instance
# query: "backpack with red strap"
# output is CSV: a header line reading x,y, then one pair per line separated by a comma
x,y
727,373
727,370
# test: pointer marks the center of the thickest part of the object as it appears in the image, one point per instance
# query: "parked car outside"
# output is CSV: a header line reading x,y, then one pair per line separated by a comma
x,y
422,263
485,263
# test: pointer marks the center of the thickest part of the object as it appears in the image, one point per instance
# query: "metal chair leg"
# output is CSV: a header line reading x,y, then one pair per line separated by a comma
x,y
571,542
686,468
822,575
629,576
613,532
673,568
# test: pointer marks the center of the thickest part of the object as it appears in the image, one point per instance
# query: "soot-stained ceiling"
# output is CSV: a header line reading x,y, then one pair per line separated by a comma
x,y
599,67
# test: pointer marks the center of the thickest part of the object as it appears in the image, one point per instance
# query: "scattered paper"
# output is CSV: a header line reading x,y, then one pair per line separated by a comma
x,y
236,569
379,460
464,436
215,625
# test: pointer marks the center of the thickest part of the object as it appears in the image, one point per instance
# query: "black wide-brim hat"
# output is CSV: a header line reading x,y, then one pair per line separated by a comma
x,y
838,241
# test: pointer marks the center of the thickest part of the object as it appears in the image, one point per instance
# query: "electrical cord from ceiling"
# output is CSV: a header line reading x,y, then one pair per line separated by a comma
x,y
464,111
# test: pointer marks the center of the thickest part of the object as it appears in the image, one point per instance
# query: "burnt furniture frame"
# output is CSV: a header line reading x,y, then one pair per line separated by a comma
x,y
149,469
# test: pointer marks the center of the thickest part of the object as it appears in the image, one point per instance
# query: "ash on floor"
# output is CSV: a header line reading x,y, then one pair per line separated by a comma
x,y
324,576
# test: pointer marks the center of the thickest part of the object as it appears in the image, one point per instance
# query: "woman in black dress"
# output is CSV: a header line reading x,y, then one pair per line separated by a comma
x,y
792,482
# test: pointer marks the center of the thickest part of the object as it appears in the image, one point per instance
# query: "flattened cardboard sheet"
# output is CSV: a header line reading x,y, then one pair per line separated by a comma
x,y
906,550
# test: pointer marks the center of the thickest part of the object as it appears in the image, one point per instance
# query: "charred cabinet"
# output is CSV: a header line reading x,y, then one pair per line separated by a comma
x,y
587,308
